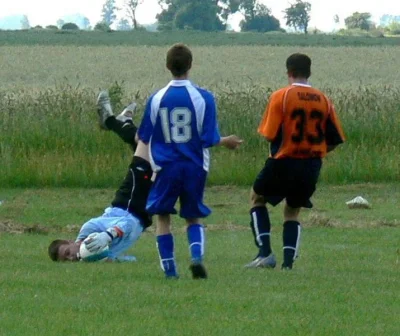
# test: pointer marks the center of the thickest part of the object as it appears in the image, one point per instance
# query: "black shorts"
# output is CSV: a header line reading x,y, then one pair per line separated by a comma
x,y
291,179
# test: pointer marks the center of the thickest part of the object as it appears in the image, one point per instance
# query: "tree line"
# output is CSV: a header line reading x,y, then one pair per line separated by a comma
x,y
213,15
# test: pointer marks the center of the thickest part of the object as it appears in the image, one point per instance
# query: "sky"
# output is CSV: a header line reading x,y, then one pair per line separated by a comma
x,y
45,12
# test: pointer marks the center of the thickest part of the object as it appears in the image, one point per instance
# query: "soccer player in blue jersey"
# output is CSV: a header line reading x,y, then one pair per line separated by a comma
x,y
180,124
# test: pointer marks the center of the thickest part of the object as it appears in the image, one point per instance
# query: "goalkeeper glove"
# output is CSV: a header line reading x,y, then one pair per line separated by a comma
x,y
98,242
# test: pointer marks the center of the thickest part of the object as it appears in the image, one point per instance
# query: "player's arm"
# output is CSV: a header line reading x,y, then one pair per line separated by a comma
x,y
334,132
272,118
230,142
146,126
210,135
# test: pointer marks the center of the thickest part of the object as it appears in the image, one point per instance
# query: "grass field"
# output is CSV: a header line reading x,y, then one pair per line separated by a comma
x,y
344,283
52,156
82,38
49,136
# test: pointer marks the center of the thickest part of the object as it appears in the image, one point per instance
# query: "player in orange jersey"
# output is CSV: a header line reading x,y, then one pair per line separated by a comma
x,y
301,124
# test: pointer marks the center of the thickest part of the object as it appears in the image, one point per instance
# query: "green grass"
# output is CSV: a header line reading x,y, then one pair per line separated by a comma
x,y
49,136
45,37
66,208
53,139
344,283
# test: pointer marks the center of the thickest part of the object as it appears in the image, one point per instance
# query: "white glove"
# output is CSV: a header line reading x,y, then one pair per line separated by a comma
x,y
98,242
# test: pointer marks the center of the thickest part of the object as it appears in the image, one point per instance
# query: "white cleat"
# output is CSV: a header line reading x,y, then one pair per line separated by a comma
x,y
263,262
128,113
104,109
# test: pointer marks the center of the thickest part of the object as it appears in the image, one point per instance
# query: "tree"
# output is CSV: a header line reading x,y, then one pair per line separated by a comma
x,y
131,7
387,19
108,12
298,15
258,18
70,26
228,7
60,23
394,28
102,26
25,22
359,20
190,14
85,23
123,24
336,19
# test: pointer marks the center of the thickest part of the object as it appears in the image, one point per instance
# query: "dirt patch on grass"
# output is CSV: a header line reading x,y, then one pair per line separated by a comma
x,y
314,220
321,220
11,227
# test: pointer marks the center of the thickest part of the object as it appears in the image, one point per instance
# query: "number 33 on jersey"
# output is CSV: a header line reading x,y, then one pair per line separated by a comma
x,y
300,122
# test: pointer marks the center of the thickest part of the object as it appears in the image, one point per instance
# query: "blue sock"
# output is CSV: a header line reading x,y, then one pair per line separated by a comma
x,y
196,238
165,245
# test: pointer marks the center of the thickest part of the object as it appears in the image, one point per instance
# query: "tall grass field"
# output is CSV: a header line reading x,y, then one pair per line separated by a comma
x,y
49,134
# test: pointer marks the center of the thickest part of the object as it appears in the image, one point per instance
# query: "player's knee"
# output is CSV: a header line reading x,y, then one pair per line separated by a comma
x,y
255,199
192,221
163,224
291,213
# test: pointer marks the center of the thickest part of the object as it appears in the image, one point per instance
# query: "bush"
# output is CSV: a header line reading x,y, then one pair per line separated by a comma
x,y
69,26
276,32
394,28
52,27
376,33
102,26
361,32
353,32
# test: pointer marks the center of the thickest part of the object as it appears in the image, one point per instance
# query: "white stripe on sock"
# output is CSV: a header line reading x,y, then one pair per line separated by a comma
x,y
202,241
296,253
257,232
289,248
264,234
159,256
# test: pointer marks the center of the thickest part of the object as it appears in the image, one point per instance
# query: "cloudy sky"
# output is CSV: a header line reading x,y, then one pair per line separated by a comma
x,y
45,12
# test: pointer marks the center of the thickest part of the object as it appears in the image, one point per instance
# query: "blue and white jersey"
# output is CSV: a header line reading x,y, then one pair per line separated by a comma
x,y
128,224
180,124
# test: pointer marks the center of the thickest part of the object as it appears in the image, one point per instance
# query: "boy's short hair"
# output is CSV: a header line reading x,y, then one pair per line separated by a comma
x,y
54,248
299,65
179,59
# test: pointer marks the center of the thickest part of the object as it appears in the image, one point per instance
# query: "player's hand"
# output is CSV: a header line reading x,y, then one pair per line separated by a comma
x,y
232,141
97,242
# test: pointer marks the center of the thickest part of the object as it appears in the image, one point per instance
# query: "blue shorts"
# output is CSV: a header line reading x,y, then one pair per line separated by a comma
x,y
184,180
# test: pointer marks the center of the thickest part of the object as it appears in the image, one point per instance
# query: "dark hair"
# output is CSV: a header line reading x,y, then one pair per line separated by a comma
x,y
54,247
299,65
179,59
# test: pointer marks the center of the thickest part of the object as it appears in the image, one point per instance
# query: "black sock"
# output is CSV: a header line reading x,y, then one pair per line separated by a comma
x,y
291,242
261,227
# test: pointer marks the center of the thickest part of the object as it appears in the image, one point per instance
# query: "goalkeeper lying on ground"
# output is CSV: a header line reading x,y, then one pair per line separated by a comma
x,y
123,222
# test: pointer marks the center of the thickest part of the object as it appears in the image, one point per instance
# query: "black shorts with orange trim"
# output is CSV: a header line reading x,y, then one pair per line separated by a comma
x,y
292,179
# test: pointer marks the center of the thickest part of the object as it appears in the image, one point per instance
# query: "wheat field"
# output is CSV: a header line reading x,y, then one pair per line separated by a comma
x,y
49,136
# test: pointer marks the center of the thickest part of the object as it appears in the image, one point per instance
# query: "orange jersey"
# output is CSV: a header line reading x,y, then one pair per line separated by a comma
x,y
300,122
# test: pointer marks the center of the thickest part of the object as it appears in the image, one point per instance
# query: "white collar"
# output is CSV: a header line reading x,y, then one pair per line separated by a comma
x,y
301,84
181,82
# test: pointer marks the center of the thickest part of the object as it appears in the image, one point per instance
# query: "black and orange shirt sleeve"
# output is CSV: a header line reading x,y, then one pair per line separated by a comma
x,y
334,132
271,122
